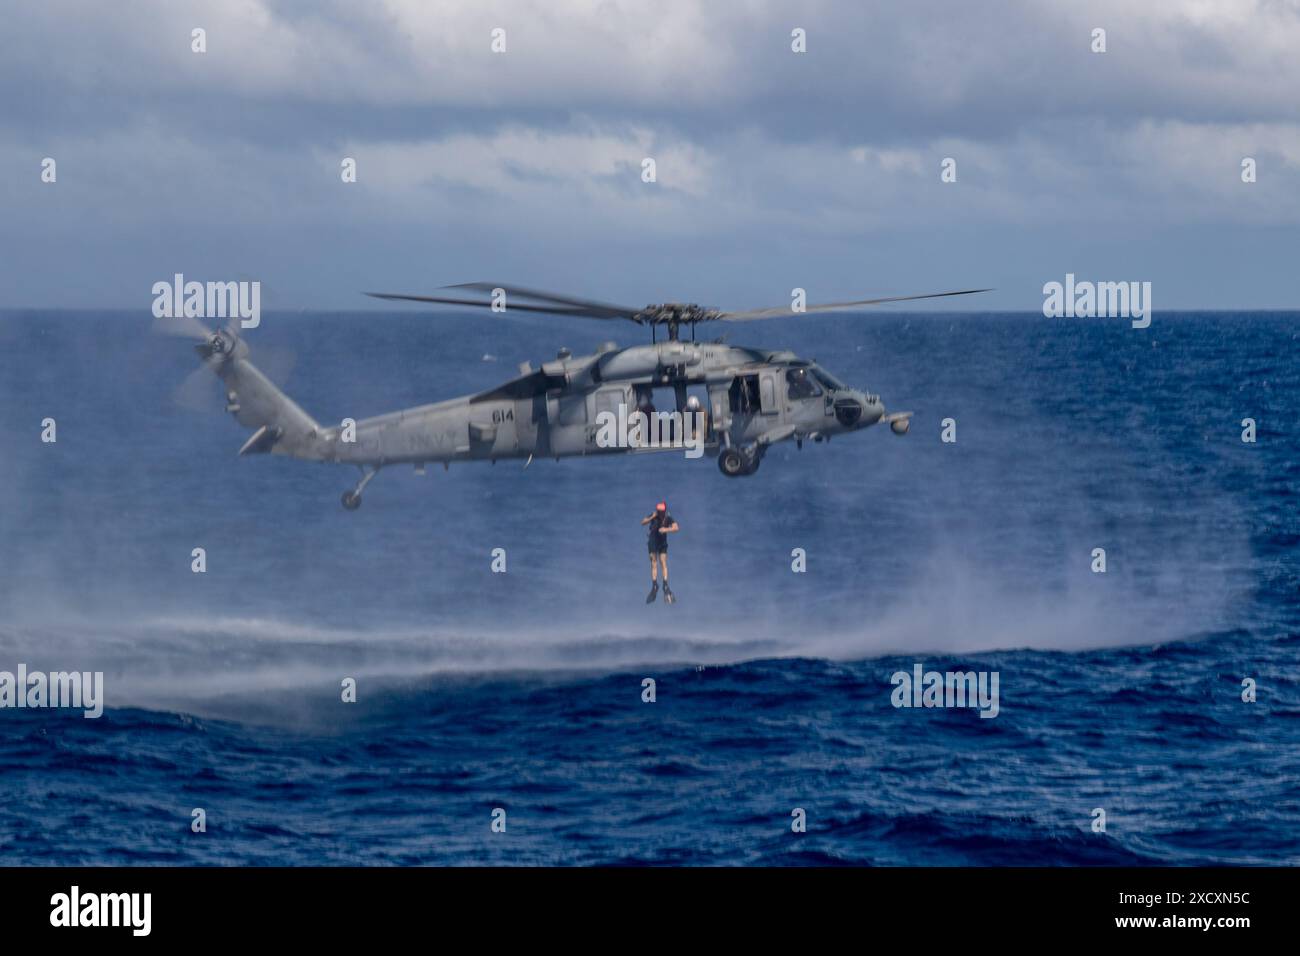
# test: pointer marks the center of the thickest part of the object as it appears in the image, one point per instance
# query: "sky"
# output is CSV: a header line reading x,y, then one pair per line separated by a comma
x,y
773,169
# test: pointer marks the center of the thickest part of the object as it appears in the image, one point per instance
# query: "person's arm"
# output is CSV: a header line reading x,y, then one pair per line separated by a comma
x,y
670,529
647,519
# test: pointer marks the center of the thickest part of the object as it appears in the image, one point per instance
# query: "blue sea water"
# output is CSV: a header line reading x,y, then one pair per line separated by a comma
x,y
523,691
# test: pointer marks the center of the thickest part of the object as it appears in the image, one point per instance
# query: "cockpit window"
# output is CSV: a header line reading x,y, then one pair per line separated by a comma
x,y
830,381
800,384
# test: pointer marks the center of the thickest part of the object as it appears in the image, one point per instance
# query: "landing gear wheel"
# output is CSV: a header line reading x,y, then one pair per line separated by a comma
x,y
352,499
732,463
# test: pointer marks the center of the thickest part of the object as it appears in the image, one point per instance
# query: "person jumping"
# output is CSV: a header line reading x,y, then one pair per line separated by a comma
x,y
661,525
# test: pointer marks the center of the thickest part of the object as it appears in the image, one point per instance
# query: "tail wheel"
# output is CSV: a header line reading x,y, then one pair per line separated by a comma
x,y
351,500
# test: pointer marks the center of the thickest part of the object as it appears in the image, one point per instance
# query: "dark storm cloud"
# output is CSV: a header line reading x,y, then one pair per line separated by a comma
x,y
305,71
533,157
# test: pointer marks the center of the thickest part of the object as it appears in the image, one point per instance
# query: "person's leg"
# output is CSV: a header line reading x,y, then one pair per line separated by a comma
x,y
663,560
654,579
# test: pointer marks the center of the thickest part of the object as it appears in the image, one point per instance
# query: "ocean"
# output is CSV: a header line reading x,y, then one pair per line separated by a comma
x,y
522,692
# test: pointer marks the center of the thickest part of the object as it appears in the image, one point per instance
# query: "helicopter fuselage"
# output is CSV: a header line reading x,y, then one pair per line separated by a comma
x,y
750,399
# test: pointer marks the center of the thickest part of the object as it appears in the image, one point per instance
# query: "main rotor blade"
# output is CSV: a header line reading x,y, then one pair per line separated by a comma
x,y
510,307
589,305
831,306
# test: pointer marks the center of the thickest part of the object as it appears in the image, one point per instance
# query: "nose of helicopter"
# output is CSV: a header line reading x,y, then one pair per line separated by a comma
x,y
854,409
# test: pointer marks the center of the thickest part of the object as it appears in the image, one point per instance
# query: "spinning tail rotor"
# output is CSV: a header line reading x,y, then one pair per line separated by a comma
x,y
255,401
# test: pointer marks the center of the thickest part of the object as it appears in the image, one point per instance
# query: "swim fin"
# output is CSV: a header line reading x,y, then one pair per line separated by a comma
x,y
669,597
654,593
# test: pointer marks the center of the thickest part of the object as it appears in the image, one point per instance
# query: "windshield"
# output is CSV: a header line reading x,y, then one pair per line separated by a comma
x,y
799,384
827,379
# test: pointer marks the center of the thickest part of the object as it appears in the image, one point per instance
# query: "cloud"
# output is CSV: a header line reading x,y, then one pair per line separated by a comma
x,y
757,148
876,67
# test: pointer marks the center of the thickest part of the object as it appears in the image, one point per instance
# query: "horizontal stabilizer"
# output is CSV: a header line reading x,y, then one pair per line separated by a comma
x,y
261,441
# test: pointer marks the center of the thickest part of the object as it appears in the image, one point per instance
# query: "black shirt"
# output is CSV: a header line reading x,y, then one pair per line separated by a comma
x,y
664,520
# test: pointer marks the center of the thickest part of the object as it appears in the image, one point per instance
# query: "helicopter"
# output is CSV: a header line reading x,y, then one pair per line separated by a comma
x,y
752,398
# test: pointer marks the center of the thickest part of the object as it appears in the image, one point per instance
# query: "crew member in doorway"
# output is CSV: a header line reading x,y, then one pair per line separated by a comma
x,y
662,524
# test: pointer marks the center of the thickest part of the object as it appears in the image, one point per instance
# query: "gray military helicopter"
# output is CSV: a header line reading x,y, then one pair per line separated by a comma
x,y
754,397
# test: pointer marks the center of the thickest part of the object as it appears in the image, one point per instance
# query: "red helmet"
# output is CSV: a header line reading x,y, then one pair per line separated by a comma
x,y
662,506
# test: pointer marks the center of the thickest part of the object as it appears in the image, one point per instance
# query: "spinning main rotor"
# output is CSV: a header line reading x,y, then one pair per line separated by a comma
x,y
671,314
